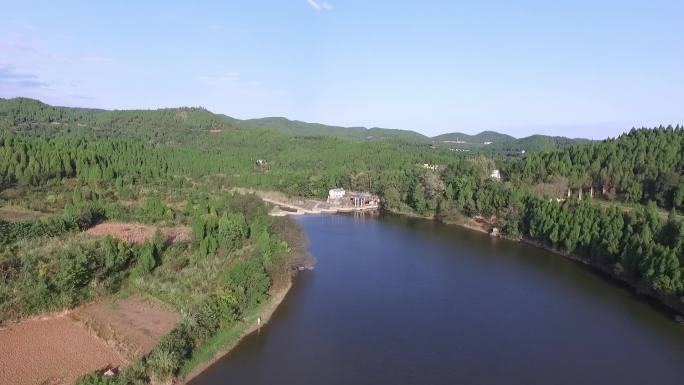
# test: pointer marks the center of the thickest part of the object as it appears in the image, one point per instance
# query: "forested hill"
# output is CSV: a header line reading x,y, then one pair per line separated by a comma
x,y
482,137
484,142
618,228
640,166
299,128
181,125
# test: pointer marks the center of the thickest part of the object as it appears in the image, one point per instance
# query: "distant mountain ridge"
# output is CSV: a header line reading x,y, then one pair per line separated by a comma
x,y
18,111
486,141
482,137
299,128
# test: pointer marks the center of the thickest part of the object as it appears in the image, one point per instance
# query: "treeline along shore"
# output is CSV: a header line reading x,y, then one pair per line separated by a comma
x,y
616,203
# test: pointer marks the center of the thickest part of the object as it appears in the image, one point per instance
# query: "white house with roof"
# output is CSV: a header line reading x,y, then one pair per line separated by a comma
x,y
336,193
496,174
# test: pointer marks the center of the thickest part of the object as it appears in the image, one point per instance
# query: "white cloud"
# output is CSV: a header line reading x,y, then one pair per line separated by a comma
x,y
320,5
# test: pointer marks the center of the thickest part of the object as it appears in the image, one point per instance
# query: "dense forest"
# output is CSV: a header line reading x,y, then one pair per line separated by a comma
x,y
615,203
641,166
173,124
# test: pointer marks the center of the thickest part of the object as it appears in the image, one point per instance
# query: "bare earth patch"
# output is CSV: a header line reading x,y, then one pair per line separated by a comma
x,y
51,351
58,349
138,233
17,214
131,326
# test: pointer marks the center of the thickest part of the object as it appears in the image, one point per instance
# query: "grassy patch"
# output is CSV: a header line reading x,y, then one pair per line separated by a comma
x,y
221,341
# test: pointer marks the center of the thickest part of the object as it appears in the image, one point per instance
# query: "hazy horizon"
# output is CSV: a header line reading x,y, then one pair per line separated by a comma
x,y
575,69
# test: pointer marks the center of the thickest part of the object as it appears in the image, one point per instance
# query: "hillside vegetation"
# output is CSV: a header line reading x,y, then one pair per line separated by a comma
x,y
172,125
186,159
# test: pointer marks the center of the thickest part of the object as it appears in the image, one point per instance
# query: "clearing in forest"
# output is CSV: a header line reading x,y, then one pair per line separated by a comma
x,y
138,233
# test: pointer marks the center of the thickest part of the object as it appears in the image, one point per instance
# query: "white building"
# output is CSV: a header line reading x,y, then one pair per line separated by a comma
x,y
496,174
336,193
432,167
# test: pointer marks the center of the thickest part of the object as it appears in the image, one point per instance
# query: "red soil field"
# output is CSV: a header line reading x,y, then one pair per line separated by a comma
x,y
131,326
58,349
52,351
139,233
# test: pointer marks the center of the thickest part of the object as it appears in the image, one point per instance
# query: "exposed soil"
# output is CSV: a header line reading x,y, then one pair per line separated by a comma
x,y
59,348
131,326
51,351
17,214
285,205
138,233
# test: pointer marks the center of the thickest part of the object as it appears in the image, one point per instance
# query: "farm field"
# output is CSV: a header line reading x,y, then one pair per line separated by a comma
x,y
53,351
58,349
138,233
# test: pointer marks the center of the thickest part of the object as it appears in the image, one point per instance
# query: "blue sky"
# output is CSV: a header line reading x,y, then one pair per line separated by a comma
x,y
573,68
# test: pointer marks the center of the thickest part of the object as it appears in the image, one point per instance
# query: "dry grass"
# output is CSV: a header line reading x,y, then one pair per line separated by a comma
x,y
14,214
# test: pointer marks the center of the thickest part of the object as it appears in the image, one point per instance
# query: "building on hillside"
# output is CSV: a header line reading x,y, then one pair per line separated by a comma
x,y
336,194
496,174
433,167
364,199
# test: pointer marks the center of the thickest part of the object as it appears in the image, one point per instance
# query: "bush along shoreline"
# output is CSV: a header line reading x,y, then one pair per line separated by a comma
x,y
237,267
636,247
262,263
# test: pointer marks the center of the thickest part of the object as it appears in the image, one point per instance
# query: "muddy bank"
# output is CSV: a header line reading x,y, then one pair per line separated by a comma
x,y
285,205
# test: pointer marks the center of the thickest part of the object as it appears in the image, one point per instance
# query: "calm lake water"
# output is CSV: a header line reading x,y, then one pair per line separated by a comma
x,y
401,301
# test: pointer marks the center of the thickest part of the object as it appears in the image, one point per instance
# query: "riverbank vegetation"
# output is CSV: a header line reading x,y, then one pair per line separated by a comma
x,y
237,257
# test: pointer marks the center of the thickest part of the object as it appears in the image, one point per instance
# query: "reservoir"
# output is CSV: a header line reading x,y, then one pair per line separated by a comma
x,y
394,300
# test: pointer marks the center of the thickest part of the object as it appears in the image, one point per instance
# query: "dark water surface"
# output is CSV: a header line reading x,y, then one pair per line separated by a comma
x,y
400,301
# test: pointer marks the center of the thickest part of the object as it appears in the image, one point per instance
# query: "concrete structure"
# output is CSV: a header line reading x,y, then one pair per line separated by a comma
x,y
496,174
432,167
336,194
361,200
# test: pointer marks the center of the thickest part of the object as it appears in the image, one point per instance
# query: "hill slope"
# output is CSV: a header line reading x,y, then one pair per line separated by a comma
x,y
178,125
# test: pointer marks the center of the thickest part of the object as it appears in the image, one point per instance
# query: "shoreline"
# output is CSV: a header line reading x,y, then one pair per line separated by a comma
x,y
266,312
269,308
672,304
300,258
300,206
